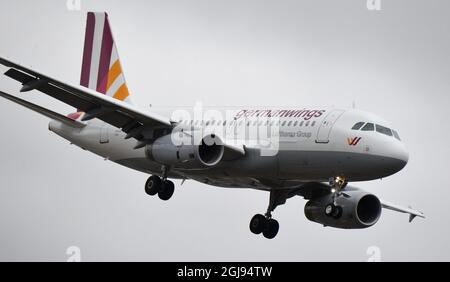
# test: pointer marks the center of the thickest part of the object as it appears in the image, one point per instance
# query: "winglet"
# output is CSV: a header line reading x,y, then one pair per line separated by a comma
x,y
412,217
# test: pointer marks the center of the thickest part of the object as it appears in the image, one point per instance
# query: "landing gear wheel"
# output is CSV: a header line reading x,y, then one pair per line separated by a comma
x,y
329,209
265,224
153,185
271,229
167,190
258,224
333,211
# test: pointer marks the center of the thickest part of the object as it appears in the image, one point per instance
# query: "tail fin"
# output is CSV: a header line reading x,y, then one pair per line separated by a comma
x,y
101,69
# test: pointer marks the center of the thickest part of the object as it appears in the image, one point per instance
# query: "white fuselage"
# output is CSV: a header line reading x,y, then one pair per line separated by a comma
x,y
308,148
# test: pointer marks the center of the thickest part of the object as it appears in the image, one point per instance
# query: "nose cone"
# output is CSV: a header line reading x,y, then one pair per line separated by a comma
x,y
397,157
402,159
403,155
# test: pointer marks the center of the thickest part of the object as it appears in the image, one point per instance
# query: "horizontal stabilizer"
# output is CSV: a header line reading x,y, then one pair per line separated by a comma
x,y
43,111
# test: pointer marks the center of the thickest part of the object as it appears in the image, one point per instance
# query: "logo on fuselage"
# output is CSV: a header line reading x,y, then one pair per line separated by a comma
x,y
353,141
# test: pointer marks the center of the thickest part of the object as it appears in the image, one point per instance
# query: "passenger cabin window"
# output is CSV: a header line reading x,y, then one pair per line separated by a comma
x,y
358,126
384,130
368,127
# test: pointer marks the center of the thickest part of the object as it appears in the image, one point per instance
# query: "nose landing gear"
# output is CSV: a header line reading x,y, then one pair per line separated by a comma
x,y
337,184
333,211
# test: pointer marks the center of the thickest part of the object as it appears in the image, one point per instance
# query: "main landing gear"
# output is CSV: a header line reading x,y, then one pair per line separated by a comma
x,y
337,185
265,224
161,186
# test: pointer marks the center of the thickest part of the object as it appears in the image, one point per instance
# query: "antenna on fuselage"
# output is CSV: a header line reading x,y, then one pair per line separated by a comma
x,y
354,105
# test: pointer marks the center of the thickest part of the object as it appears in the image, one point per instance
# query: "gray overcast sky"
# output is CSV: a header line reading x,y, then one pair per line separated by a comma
x,y
394,62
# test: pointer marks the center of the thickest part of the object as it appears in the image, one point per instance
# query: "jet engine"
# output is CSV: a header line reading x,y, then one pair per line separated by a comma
x,y
355,210
209,152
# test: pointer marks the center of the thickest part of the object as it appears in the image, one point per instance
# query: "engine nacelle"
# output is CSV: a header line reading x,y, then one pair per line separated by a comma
x,y
206,154
359,210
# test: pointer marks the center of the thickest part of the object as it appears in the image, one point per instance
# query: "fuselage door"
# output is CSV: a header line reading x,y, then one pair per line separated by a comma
x,y
323,135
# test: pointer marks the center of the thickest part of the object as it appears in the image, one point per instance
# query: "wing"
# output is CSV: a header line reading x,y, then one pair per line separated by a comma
x,y
95,105
138,124
412,213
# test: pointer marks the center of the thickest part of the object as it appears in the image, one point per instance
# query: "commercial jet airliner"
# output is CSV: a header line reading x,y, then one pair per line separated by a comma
x,y
309,152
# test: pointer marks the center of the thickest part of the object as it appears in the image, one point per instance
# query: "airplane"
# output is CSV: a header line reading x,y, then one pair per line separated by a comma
x,y
313,153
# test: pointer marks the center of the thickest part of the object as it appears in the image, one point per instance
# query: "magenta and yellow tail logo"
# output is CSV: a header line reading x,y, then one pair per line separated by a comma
x,y
353,141
101,69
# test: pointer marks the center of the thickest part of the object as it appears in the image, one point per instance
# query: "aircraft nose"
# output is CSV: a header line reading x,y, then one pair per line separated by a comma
x,y
400,157
404,155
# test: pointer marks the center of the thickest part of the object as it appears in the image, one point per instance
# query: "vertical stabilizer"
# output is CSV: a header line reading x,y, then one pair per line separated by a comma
x,y
101,69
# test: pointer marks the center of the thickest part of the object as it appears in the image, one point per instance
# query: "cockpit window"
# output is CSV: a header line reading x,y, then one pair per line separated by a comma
x,y
378,128
368,127
384,130
358,126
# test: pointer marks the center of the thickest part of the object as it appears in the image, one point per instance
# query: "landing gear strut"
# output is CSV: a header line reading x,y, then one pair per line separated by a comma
x,y
160,185
337,185
265,224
